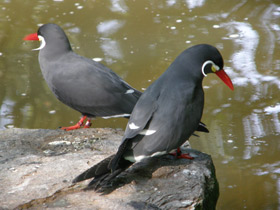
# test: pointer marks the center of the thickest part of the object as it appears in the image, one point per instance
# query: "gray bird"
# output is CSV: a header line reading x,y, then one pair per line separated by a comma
x,y
81,83
166,114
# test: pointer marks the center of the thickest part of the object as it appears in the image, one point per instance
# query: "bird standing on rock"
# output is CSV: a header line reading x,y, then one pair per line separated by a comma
x,y
166,114
81,83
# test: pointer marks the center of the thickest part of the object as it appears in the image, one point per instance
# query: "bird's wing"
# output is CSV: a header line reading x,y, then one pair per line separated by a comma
x,y
202,128
92,88
139,119
142,114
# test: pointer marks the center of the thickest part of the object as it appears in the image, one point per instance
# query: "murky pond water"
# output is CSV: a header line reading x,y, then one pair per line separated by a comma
x,y
138,39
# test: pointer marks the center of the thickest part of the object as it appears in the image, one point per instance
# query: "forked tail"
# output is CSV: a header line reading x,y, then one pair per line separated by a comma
x,y
102,173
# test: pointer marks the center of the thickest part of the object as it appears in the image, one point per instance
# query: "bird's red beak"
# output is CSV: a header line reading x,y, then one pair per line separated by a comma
x,y
31,37
223,76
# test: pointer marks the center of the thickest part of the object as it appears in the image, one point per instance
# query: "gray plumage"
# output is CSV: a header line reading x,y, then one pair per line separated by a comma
x,y
166,114
81,83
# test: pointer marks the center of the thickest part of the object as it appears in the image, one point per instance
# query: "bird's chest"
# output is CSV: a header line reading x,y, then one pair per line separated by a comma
x,y
58,79
184,102
50,68
187,114
193,109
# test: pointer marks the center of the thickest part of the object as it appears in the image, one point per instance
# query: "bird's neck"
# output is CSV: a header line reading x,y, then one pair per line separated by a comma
x,y
50,53
189,73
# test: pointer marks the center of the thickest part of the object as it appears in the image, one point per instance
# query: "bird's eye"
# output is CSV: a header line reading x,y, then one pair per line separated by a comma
x,y
214,67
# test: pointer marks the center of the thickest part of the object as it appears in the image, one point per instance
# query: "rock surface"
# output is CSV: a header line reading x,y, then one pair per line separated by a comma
x,y
37,168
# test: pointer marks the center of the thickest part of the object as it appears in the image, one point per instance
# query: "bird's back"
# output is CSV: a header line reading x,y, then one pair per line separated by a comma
x,y
88,86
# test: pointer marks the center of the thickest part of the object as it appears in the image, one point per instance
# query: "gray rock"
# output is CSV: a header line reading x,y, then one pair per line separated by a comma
x,y
37,168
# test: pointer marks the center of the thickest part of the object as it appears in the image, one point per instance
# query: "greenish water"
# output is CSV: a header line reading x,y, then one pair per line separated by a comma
x,y
138,39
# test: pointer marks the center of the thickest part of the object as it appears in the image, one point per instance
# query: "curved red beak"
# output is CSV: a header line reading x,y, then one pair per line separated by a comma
x,y
223,76
31,37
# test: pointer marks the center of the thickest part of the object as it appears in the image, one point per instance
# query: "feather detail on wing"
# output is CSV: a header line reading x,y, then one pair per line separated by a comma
x,y
140,117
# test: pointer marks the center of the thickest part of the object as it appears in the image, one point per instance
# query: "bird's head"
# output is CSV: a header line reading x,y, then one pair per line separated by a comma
x,y
36,37
213,63
52,35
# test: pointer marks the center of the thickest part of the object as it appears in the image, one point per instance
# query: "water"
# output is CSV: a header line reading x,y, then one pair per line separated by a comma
x,y
138,39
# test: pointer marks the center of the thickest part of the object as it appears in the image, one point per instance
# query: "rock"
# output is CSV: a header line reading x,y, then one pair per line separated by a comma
x,y
37,168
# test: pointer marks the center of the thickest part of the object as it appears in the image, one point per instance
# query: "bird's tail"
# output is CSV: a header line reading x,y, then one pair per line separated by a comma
x,y
202,128
102,173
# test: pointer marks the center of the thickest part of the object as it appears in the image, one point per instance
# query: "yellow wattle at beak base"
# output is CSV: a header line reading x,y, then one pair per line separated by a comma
x,y
213,68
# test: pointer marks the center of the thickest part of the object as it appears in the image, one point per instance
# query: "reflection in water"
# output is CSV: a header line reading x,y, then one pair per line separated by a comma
x,y
170,2
278,191
119,6
246,41
5,113
194,3
253,129
109,27
74,30
274,110
111,49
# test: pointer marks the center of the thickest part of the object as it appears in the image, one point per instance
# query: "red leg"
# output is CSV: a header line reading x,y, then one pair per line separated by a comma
x,y
77,126
178,154
88,123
